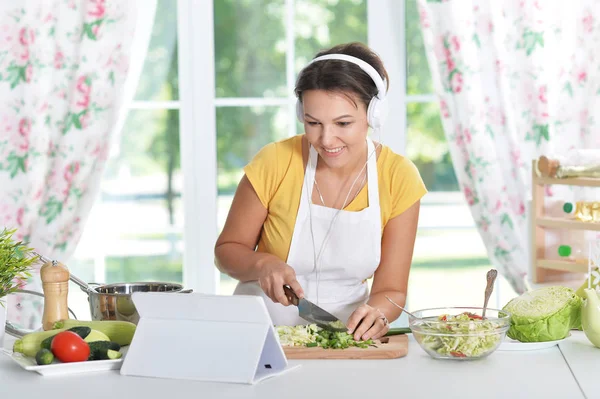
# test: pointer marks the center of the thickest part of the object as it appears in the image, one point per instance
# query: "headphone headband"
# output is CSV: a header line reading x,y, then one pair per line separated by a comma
x,y
377,107
365,66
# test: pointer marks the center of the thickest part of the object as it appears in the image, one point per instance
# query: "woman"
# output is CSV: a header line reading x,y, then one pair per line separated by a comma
x,y
324,211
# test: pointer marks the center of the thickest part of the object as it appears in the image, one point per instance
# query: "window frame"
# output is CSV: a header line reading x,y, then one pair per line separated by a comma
x,y
386,35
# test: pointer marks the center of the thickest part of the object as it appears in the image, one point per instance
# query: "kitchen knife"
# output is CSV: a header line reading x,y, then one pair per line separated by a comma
x,y
314,314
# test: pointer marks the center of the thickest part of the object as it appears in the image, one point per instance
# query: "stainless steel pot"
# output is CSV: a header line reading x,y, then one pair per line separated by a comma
x,y
113,301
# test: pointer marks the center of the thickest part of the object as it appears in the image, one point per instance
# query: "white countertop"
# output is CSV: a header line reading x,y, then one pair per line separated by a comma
x,y
527,374
584,361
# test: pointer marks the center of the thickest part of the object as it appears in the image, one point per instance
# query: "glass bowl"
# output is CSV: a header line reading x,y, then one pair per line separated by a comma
x,y
459,333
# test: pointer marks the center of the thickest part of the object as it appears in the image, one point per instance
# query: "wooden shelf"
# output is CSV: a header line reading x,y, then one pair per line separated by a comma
x,y
558,223
562,265
571,181
545,270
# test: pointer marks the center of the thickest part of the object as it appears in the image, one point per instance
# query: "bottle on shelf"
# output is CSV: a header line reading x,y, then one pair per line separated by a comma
x,y
573,254
568,208
574,163
588,211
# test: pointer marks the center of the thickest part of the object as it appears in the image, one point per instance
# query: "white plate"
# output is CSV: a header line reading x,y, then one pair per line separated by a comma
x,y
28,363
513,345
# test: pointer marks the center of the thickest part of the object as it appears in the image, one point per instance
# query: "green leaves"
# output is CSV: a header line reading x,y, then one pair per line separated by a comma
x,y
15,164
531,40
90,30
52,209
539,132
16,74
15,262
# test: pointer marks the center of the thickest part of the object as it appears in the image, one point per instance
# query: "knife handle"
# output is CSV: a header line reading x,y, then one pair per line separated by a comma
x,y
291,295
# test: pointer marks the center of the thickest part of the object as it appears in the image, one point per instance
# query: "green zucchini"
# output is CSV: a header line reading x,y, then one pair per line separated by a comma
x,y
30,344
117,331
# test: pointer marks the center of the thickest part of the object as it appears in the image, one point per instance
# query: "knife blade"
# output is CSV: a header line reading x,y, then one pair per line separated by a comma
x,y
314,314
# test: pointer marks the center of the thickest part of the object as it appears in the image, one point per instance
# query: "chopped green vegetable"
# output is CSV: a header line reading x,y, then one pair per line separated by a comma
x,y
545,314
311,336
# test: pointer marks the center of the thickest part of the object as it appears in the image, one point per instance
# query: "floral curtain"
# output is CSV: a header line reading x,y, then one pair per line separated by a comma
x,y
515,79
63,68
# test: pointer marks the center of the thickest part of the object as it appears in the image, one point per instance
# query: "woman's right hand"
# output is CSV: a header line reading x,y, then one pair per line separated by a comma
x,y
273,276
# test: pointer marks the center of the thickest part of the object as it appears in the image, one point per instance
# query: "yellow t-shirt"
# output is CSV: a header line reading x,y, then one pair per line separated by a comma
x,y
277,174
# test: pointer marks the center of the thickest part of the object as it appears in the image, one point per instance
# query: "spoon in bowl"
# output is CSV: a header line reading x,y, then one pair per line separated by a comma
x,y
491,278
401,308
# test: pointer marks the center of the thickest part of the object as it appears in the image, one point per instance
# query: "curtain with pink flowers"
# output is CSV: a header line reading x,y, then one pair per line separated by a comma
x,y
63,69
516,79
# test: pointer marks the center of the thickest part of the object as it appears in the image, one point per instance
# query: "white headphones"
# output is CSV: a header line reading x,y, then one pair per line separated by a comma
x,y
378,107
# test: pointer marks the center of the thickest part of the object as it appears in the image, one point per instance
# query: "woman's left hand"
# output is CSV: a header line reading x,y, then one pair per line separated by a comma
x,y
367,322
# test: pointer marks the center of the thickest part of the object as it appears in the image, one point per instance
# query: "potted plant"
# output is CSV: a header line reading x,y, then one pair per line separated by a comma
x,y
15,263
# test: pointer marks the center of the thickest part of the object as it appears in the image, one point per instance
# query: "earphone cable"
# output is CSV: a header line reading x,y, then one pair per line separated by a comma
x,y
317,258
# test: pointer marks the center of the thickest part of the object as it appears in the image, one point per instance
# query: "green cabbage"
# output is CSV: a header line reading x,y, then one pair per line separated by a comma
x,y
545,314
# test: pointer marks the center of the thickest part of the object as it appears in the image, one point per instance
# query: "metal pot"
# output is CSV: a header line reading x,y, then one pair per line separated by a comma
x,y
113,301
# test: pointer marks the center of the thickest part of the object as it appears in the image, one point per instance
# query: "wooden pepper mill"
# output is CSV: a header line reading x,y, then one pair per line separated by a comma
x,y
55,283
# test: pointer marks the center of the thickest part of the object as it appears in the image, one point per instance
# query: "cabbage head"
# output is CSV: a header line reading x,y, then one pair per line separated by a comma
x,y
545,314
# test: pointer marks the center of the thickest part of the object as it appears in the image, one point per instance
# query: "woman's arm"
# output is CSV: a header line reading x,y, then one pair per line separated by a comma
x,y
234,250
235,253
391,277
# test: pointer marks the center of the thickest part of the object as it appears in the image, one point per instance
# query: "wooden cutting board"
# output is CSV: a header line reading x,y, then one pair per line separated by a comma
x,y
395,348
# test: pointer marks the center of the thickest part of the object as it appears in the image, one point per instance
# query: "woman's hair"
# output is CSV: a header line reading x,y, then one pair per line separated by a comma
x,y
342,76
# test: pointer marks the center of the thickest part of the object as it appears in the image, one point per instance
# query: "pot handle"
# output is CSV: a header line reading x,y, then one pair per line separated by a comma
x,y
17,332
82,284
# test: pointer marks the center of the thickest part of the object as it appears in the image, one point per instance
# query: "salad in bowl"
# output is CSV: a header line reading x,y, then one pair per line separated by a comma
x,y
459,333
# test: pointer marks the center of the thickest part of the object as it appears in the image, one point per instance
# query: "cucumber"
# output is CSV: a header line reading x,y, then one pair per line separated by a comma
x,y
83,332
99,350
113,355
117,331
44,357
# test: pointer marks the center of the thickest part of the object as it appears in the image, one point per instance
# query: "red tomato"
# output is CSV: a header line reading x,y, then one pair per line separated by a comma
x,y
70,347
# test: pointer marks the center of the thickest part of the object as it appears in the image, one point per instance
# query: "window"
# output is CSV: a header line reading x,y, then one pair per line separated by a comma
x,y
135,229
197,119
256,71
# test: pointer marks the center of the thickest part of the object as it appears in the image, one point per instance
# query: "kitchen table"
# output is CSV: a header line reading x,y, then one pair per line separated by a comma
x,y
528,374
584,361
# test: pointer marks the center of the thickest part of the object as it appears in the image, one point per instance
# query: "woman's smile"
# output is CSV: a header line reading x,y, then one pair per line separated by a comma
x,y
333,152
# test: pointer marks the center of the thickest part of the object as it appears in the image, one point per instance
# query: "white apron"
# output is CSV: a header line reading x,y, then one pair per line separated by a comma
x,y
351,255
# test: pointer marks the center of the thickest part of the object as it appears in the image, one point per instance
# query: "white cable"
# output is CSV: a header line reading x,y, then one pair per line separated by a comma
x,y
316,257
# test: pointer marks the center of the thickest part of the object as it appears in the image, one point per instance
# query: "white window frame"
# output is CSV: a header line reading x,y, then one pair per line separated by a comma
x,y
386,35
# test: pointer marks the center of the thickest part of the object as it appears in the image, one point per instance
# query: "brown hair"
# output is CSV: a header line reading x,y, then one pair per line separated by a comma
x,y
338,75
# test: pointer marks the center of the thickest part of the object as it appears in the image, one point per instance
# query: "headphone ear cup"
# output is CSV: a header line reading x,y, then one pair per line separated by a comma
x,y
299,111
373,113
377,113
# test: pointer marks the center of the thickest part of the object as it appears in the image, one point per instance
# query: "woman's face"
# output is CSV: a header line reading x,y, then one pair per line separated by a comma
x,y
335,126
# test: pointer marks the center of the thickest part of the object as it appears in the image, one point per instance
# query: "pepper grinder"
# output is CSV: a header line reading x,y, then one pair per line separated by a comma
x,y
55,283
